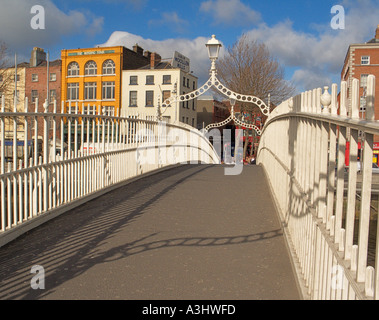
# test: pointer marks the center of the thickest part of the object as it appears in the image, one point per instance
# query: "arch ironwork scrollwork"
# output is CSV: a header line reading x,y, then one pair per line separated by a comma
x,y
214,82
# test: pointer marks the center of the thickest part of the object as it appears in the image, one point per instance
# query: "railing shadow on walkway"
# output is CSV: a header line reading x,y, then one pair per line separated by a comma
x,y
66,246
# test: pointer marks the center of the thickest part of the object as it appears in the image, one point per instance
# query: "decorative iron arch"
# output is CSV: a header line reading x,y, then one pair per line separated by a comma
x,y
214,82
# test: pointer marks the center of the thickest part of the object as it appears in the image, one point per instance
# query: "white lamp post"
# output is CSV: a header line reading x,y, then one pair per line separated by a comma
x,y
213,46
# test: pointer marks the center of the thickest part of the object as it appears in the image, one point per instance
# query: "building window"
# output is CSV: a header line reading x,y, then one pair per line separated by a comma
x,y
194,85
34,95
73,91
188,83
365,60
52,95
108,90
149,79
165,95
34,77
193,105
167,79
149,98
183,103
71,110
133,80
363,81
109,67
89,110
90,68
133,99
73,69
53,77
90,90
184,81
108,111
18,77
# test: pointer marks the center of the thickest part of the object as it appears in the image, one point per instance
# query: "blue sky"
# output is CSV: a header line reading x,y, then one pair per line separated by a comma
x,y
297,32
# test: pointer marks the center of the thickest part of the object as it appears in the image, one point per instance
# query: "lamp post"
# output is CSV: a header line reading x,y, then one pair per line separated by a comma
x,y
213,46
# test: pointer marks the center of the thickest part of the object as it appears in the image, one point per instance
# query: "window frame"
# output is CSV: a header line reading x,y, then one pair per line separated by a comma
x,y
55,77
365,63
133,83
90,90
90,68
132,99
148,100
106,67
33,96
165,95
54,96
168,79
71,86
108,111
73,72
150,80
108,85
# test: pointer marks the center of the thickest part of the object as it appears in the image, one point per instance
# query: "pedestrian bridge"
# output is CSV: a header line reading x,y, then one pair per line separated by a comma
x,y
139,209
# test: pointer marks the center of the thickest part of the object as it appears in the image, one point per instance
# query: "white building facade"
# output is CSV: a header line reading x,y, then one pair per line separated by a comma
x,y
144,90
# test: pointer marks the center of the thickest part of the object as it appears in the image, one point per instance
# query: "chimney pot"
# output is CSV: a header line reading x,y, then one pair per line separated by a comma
x,y
137,49
154,60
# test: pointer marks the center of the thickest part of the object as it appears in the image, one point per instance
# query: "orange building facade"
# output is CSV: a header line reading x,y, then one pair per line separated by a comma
x,y
91,77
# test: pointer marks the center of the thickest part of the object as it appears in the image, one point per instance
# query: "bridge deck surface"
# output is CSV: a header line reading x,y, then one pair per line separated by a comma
x,y
187,233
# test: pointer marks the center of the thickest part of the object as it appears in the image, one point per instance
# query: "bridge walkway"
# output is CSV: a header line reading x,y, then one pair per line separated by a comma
x,y
187,233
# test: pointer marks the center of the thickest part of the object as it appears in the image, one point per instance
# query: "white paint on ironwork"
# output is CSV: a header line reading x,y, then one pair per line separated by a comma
x,y
302,150
69,157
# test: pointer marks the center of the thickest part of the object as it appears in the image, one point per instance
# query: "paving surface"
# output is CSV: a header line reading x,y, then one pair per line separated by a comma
x,y
188,233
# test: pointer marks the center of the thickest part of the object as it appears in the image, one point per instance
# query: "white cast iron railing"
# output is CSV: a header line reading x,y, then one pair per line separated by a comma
x,y
327,215
60,170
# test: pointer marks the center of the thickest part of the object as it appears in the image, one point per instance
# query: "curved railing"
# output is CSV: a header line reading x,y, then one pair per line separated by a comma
x,y
79,156
309,150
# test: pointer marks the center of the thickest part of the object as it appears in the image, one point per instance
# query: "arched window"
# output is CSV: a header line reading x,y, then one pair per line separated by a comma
x,y
73,69
90,68
109,67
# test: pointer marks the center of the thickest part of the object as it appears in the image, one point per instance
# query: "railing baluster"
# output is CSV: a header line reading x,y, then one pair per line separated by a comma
x,y
313,212
2,166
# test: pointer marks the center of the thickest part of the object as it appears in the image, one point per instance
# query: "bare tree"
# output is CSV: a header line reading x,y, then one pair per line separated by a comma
x,y
248,68
6,77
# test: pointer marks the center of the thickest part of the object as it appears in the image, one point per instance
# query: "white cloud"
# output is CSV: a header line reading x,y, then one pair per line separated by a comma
x,y
17,33
171,20
307,79
194,49
230,12
319,57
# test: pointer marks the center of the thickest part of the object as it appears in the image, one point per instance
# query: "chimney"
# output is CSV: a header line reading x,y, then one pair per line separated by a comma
x,y
137,49
155,58
147,54
38,56
377,33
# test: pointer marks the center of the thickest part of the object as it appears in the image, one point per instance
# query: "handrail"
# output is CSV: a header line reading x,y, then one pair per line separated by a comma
x,y
68,158
303,149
